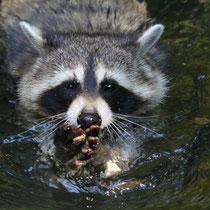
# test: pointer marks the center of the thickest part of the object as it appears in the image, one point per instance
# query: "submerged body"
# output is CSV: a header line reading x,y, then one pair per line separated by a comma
x,y
88,59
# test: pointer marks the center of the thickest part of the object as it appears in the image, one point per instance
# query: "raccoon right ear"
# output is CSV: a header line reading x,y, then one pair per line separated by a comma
x,y
150,37
34,35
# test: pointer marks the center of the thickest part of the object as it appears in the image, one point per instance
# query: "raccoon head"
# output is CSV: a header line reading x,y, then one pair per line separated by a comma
x,y
92,78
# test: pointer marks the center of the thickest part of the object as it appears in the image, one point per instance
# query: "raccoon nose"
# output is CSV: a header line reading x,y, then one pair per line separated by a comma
x,y
88,119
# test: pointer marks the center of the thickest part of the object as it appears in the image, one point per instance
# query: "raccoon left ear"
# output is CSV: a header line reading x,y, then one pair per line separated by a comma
x,y
34,35
150,38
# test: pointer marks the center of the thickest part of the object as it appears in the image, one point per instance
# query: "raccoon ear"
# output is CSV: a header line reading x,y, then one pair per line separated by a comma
x,y
34,35
150,38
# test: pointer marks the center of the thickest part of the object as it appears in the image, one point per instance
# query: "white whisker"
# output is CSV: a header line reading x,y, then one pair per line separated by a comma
x,y
141,126
120,125
113,129
43,122
136,117
53,127
123,131
119,133
58,116
109,128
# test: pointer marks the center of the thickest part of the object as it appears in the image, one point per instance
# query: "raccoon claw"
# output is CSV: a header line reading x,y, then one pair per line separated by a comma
x,y
79,140
93,141
66,137
65,127
84,160
93,130
80,162
86,150
78,131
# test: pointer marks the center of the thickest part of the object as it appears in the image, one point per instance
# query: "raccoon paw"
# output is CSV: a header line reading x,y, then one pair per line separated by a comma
x,y
92,136
68,138
87,150
75,140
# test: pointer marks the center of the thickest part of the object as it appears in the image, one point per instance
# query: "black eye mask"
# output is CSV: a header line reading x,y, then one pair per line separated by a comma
x,y
58,99
119,98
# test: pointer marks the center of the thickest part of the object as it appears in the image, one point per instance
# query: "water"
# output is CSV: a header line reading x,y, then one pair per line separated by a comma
x,y
173,168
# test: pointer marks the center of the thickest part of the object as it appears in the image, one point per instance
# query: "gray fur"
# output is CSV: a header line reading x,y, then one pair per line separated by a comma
x,y
51,41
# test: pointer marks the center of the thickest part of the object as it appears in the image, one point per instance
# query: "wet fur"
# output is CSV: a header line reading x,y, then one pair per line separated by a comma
x,y
89,41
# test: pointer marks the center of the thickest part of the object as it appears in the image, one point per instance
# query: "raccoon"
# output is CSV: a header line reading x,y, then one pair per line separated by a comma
x,y
88,59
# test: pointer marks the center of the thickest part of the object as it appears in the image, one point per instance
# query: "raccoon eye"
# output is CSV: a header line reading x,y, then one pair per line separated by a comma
x,y
108,85
71,85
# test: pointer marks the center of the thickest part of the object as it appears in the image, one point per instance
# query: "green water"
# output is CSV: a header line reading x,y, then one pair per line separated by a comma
x,y
173,167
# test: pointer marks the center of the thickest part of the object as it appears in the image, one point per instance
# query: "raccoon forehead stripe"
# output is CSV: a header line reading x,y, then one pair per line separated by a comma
x,y
90,83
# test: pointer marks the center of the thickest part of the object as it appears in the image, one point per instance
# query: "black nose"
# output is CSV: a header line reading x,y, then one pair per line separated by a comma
x,y
88,119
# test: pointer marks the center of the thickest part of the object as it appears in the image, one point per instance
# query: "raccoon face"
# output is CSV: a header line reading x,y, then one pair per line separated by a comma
x,y
92,78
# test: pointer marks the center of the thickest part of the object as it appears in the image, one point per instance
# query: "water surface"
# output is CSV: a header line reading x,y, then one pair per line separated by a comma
x,y
173,168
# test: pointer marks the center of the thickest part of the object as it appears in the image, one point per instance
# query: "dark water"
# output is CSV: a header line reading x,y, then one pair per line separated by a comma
x,y
173,168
